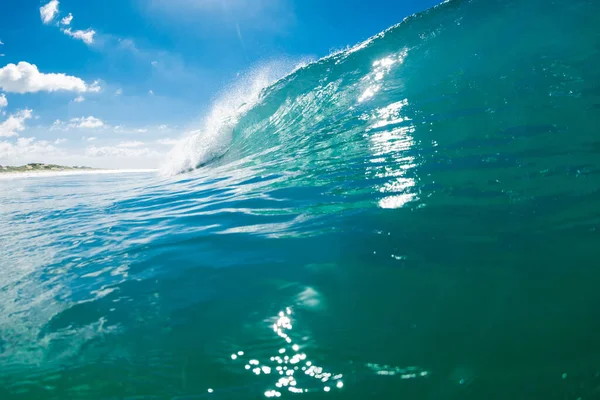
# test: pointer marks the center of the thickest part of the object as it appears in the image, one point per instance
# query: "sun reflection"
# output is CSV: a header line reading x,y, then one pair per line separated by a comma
x,y
290,370
390,160
295,373
390,136
380,69
402,373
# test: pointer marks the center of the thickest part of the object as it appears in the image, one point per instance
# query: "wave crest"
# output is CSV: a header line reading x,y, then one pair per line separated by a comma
x,y
212,140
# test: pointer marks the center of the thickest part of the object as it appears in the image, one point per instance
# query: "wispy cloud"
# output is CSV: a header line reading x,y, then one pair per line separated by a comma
x,y
67,20
3,100
130,144
49,11
126,130
108,151
26,148
86,122
15,123
167,141
86,36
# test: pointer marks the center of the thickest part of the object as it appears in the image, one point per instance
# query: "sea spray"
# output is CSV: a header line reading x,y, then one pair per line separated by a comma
x,y
212,139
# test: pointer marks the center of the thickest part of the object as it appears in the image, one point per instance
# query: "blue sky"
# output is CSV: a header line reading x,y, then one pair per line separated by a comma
x,y
113,83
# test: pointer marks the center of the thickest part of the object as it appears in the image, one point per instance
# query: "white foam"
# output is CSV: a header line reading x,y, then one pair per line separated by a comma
x,y
213,139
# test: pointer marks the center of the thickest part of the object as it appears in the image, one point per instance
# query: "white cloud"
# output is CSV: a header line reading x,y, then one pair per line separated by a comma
x,y
82,123
141,130
119,152
26,78
95,87
90,139
67,20
1,42
60,141
3,101
26,147
79,99
129,145
58,126
15,123
86,36
163,127
49,11
86,122
151,92
167,141
119,92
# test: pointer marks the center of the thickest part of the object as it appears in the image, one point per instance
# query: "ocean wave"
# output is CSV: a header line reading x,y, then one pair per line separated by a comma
x,y
200,146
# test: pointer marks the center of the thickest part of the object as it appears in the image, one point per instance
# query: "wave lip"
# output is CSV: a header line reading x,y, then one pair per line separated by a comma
x,y
212,139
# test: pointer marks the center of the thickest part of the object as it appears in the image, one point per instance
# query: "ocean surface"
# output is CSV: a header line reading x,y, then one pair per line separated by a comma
x,y
415,217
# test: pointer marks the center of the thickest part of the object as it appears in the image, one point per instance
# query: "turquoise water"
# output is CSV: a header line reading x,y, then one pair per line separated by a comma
x,y
412,218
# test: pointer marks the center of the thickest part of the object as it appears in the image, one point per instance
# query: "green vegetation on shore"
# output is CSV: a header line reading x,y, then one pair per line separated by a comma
x,y
35,167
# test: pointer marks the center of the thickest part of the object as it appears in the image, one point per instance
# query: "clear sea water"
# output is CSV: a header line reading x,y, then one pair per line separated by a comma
x,y
412,218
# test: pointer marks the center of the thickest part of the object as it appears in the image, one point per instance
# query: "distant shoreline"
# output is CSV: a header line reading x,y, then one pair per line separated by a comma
x,y
46,170
40,167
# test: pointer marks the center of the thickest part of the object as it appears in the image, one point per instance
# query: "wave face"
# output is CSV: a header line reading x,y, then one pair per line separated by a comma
x,y
212,140
413,217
